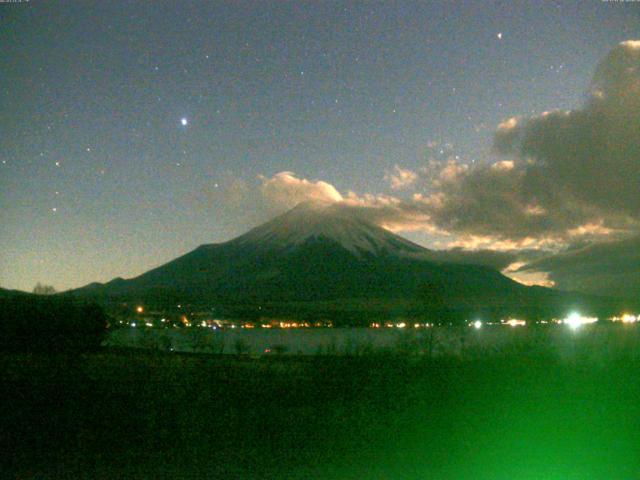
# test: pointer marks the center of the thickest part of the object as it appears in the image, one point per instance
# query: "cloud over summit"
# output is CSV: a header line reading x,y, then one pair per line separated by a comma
x,y
285,190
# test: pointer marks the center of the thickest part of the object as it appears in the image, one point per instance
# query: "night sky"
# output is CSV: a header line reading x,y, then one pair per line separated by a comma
x,y
132,132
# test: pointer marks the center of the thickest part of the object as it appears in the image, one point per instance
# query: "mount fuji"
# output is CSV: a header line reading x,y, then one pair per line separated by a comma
x,y
321,259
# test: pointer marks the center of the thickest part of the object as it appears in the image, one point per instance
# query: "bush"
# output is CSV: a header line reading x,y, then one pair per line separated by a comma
x,y
240,346
29,323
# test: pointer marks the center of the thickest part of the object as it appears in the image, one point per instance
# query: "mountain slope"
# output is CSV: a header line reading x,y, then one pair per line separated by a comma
x,y
319,255
5,293
309,221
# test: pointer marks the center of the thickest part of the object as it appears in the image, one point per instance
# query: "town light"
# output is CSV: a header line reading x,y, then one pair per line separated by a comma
x,y
575,320
512,322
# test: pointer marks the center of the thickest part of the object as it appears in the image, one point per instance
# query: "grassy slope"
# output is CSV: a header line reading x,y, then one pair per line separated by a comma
x,y
132,415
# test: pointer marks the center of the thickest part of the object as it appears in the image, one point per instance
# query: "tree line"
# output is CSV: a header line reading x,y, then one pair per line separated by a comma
x,y
50,324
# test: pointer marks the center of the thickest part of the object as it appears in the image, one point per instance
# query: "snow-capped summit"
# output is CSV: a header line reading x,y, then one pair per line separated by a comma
x,y
310,221
320,260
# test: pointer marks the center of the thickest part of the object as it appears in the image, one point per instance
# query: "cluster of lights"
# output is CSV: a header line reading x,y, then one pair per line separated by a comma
x,y
275,324
246,326
399,325
293,325
514,322
215,324
627,318
575,320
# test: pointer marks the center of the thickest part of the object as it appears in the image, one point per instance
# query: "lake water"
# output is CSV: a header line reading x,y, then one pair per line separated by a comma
x,y
595,340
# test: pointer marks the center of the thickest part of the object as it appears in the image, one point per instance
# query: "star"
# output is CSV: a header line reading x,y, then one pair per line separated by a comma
x,y
184,121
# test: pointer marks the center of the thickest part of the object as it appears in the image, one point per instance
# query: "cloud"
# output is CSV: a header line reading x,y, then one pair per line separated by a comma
x,y
515,272
243,204
498,260
485,201
564,174
611,268
285,190
585,164
401,178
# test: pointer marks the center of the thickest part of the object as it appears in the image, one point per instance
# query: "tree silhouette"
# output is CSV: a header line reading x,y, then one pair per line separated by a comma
x,y
41,289
34,323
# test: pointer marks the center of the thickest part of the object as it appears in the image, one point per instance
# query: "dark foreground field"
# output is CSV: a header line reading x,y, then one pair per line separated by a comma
x,y
137,415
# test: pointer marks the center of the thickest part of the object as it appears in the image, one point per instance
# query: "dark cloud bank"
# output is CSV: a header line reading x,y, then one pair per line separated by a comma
x,y
583,167
608,267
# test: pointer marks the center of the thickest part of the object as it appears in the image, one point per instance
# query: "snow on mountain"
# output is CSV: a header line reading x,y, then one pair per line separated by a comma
x,y
324,261
323,221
